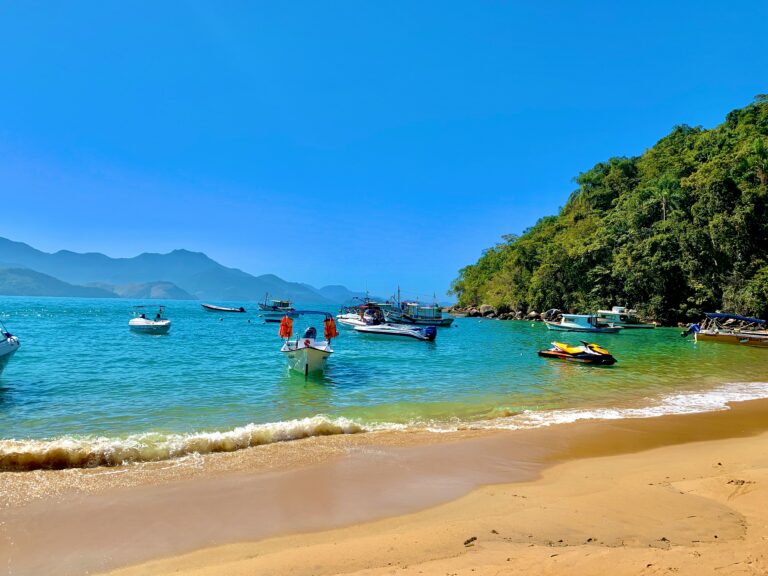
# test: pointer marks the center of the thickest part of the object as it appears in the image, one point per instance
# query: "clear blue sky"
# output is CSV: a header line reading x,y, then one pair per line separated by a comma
x,y
363,143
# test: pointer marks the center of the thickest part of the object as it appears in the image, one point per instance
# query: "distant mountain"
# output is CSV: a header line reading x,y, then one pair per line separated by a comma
x,y
343,295
26,282
191,272
148,290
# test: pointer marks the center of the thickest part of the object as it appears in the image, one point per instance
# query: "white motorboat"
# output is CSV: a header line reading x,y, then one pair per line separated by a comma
x,y
427,333
368,314
582,323
142,324
8,346
620,316
307,353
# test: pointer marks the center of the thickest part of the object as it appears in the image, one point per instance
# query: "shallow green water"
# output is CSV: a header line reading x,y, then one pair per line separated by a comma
x,y
81,374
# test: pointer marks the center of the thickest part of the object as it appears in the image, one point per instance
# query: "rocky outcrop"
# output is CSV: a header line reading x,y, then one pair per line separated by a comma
x,y
487,310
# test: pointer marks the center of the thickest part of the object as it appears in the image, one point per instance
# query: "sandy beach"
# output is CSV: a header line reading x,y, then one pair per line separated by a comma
x,y
676,494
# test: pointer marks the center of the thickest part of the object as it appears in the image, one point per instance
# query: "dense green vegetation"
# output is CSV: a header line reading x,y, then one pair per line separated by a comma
x,y
674,232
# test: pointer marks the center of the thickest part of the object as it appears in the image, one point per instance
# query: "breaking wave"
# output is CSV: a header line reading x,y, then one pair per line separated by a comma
x,y
75,452
82,452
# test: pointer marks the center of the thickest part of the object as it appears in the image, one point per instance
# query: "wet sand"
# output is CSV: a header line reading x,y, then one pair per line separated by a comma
x,y
624,496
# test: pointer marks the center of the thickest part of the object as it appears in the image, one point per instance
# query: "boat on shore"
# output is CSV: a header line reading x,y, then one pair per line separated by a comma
x,y
9,344
214,308
730,329
582,323
424,333
621,316
308,353
585,354
141,324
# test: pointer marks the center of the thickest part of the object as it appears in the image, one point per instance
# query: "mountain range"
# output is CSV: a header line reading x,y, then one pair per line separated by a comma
x,y
180,274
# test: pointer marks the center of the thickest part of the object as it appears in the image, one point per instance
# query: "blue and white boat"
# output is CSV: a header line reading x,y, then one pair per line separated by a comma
x,y
582,323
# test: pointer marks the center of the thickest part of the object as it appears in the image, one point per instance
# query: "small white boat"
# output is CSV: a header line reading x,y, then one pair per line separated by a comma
x,y
368,314
620,316
307,353
157,324
8,346
426,333
582,323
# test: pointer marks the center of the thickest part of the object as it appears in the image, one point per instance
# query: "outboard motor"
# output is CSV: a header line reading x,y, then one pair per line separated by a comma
x,y
430,332
310,333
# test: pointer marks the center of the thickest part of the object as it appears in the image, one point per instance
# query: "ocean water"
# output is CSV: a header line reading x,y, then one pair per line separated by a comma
x,y
83,390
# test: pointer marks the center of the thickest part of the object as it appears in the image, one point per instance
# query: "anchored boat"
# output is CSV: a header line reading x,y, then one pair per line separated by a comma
x,y
214,308
274,310
585,354
416,313
368,314
307,353
582,323
8,346
730,329
426,333
620,316
143,324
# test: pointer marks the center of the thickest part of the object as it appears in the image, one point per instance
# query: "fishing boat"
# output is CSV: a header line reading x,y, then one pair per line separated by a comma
x,y
8,346
416,313
730,329
214,308
141,323
582,323
307,353
620,316
275,310
585,354
425,333
368,314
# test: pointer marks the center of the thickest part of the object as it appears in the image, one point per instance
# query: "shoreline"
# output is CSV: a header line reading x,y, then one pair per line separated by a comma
x,y
348,483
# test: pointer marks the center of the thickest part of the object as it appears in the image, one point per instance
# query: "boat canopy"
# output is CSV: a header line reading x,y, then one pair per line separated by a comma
x,y
722,316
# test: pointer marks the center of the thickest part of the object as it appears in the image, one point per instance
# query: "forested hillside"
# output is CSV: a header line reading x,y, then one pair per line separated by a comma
x,y
674,232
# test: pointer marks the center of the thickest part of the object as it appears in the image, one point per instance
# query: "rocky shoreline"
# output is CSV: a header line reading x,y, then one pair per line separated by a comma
x,y
488,311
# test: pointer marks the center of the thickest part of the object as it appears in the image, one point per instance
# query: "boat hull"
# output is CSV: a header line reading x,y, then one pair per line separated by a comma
x,y
738,338
558,327
8,347
144,326
439,322
306,359
598,360
275,317
212,308
390,331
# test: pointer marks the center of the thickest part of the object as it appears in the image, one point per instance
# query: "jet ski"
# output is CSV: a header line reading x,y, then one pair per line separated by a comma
x,y
586,354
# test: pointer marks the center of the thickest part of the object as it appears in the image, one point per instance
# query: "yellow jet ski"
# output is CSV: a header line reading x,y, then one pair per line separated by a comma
x,y
586,354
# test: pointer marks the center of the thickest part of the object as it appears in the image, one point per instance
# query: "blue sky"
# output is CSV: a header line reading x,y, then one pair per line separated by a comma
x,y
364,143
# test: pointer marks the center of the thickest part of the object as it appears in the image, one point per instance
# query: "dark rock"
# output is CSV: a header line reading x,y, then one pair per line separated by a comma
x,y
487,309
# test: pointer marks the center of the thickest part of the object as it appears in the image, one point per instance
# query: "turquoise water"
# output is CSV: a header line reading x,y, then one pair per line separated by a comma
x,y
83,389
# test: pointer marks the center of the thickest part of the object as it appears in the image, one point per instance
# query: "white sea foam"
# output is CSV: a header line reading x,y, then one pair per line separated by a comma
x,y
680,403
72,452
